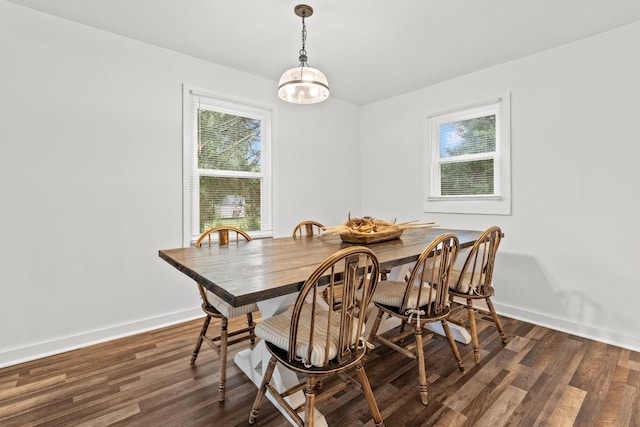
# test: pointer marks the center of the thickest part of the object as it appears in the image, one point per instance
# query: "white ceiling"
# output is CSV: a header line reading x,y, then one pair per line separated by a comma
x,y
369,49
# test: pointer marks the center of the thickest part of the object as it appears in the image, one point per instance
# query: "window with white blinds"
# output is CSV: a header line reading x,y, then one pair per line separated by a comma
x,y
227,165
467,161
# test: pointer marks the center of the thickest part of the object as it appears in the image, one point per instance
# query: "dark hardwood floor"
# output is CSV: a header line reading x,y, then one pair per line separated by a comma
x,y
541,378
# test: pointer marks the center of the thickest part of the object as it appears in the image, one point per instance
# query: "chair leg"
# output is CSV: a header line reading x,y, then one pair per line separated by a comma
x,y
310,401
252,325
403,326
452,343
496,320
222,383
474,331
257,403
376,325
366,387
422,373
203,332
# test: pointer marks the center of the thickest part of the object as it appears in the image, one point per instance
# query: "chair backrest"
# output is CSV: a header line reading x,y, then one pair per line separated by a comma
x,y
334,337
223,233
476,275
222,239
308,229
428,284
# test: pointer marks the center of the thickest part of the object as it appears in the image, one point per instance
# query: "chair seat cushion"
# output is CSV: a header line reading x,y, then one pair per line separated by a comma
x,y
391,293
276,331
464,285
226,309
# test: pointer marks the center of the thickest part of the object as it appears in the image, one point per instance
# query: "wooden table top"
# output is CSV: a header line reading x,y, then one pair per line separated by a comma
x,y
262,269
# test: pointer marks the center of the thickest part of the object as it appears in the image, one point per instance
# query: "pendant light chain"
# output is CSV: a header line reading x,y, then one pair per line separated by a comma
x,y
303,51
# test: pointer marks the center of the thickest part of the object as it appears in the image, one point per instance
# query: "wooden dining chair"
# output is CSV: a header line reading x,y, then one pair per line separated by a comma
x,y
474,281
315,342
307,229
310,229
215,307
422,298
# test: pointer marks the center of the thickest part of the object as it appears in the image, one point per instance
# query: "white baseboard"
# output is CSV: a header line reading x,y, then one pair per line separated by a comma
x,y
574,328
48,348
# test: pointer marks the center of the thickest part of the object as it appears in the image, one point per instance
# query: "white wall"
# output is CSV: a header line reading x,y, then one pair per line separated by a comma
x,y
572,242
91,179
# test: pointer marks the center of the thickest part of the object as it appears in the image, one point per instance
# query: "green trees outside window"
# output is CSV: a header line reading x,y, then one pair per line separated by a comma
x,y
462,144
229,156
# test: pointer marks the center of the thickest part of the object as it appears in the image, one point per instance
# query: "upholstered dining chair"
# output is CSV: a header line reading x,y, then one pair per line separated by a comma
x,y
215,307
474,281
307,229
422,298
315,341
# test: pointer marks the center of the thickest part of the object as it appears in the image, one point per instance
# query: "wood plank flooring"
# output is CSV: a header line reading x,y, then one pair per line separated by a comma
x,y
541,377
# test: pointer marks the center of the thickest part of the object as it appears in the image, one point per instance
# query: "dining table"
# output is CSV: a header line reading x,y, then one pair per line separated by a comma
x,y
271,271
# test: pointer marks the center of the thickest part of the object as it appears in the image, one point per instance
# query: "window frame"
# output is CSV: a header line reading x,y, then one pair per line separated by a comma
x,y
498,203
192,174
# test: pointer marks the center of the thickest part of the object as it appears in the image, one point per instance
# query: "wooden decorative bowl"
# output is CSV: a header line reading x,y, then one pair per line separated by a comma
x,y
370,238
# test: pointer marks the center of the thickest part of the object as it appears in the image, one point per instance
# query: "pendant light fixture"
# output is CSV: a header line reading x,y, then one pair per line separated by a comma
x,y
303,84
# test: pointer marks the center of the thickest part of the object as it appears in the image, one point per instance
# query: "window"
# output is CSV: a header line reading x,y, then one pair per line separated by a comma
x,y
227,167
467,159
